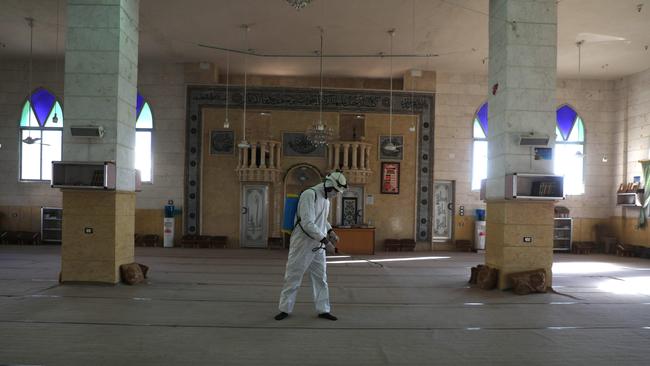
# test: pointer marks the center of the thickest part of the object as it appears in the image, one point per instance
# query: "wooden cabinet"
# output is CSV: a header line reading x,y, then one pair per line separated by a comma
x,y
356,240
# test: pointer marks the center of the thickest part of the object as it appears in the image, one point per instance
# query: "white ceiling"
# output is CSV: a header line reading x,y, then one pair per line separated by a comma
x,y
456,30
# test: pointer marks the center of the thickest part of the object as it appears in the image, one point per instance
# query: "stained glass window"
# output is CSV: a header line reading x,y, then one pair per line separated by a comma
x,y
568,155
569,150
143,138
41,129
480,147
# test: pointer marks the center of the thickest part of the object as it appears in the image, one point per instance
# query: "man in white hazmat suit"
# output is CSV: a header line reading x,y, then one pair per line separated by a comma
x,y
311,237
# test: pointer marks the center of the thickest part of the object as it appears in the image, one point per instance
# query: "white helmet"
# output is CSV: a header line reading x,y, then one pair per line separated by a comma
x,y
337,181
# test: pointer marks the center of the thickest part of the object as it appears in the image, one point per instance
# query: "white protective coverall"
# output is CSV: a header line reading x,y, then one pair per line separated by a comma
x,y
313,210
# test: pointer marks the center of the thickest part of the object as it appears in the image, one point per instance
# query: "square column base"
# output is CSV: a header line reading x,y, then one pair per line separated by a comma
x,y
96,256
508,222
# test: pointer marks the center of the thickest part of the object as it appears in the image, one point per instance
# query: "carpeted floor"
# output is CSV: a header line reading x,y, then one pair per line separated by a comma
x,y
216,307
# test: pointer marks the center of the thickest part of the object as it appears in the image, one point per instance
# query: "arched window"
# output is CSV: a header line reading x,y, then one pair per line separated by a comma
x,y
41,128
568,154
480,148
569,150
143,138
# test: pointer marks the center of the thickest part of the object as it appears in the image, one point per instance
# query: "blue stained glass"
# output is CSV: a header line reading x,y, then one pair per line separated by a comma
x,y
566,118
482,116
138,105
42,103
145,120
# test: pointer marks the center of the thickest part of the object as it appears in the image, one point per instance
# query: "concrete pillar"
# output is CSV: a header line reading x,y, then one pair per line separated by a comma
x,y
101,64
522,77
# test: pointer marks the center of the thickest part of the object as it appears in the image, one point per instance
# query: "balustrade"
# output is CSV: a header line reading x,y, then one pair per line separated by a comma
x,y
260,162
353,157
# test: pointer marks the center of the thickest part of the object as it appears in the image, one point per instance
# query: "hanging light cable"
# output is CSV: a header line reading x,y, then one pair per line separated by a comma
x,y
29,140
243,143
412,126
579,44
55,119
319,134
226,122
390,146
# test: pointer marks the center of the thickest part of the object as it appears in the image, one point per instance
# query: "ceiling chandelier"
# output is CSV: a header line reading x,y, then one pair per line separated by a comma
x,y
319,134
299,4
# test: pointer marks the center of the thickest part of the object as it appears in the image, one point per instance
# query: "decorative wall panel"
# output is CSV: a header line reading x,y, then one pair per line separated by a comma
x,y
353,101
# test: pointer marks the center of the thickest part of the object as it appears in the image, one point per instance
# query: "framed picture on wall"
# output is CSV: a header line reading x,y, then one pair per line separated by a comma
x,y
385,154
349,211
390,178
222,142
297,144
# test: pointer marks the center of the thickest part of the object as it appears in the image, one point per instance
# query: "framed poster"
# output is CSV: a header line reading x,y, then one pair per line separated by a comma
x,y
297,144
385,154
222,142
390,178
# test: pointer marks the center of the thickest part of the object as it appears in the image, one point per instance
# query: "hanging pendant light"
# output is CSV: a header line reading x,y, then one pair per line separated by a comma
x,y
226,123
243,144
390,146
29,140
319,134
412,126
55,119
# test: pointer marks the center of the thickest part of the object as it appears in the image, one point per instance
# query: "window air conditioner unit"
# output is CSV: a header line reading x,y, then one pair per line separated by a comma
x,y
533,140
87,131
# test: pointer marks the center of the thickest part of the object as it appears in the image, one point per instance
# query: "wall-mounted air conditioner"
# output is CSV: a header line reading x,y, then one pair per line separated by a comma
x,y
87,131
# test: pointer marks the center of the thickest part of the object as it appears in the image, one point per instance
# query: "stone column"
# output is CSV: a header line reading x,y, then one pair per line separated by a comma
x,y
253,155
346,156
263,146
101,65
337,154
367,165
355,149
272,155
244,150
330,156
522,77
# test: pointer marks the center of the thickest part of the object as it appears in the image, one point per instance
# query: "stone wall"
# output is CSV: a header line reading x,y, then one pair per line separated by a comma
x,y
604,106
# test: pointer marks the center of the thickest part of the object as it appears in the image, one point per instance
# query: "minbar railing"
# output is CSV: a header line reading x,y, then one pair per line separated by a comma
x,y
353,157
260,162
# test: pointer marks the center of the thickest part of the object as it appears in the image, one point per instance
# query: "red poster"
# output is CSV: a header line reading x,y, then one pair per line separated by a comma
x,y
390,178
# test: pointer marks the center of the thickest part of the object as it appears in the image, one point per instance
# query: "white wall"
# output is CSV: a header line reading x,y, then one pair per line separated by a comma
x,y
603,106
458,96
163,86
14,85
634,111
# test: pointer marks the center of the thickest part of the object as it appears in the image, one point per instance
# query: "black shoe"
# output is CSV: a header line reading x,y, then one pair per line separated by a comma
x,y
281,316
327,316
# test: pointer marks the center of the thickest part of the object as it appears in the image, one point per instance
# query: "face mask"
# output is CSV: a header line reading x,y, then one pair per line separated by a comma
x,y
331,193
